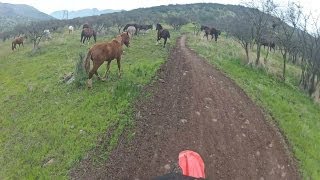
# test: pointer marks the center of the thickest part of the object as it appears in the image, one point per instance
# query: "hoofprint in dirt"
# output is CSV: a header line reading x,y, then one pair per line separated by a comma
x,y
194,106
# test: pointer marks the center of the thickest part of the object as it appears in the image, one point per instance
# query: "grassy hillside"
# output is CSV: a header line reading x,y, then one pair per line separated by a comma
x,y
293,111
47,126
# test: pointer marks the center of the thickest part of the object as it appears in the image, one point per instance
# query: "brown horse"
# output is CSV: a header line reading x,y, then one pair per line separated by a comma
x,y
106,51
18,40
87,33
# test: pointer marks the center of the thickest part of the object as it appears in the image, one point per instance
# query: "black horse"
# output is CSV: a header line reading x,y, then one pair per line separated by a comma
x,y
145,27
210,31
269,43
138,27
162,33
134,25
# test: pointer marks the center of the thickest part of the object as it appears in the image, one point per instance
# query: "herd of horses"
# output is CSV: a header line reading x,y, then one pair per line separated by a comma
x,y
108,51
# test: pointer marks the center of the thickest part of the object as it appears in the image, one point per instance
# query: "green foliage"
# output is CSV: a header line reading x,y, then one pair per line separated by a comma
x,y
293,111
47,127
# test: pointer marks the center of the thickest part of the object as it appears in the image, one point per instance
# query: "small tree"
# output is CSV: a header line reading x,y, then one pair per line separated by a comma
x,y
289,20
259,13
119,21
310,76
240,28
35,33
176,22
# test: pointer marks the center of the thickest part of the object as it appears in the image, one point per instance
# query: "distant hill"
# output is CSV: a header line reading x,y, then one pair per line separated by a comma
x,y
82,13
13,14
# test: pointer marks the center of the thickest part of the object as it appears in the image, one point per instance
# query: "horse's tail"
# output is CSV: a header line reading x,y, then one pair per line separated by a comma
x,y
87,61
13,46
168,34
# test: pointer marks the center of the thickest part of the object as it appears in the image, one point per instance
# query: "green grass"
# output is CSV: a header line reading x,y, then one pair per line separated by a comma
x,y
43,119
293,111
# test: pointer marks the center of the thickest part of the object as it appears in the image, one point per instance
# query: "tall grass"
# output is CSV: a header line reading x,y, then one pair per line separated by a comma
x,y
46,127
292,110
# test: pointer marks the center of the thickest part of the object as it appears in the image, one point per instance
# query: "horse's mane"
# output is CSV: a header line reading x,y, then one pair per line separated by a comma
x,y
160,27
118,39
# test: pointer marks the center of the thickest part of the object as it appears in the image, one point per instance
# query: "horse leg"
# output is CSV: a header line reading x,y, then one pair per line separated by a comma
x,y
96,73
94,69
88,40
158,39
165,41
105,77
119,66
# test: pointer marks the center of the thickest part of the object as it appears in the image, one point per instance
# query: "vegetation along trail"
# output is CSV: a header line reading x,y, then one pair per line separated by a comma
x,y
194,106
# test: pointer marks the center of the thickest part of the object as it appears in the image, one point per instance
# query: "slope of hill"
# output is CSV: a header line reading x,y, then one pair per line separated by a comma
x,y
82,13
13,14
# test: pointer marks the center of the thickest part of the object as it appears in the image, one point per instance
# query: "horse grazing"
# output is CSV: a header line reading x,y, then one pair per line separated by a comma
x,y
87,33
145,27
210,31
131,31
18,40
162,33
106,51
127,25
70,29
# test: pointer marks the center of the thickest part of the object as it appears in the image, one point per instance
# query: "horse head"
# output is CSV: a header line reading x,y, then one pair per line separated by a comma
x,y
86,25
203,27
159,27
124,38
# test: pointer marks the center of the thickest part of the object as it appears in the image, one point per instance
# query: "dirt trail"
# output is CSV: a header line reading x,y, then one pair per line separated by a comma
x,y
194,106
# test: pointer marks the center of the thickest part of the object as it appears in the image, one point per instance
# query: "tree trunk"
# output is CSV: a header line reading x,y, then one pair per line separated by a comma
x,y
312,84
247,52
258,54
266,58
284,56
303,81
316,93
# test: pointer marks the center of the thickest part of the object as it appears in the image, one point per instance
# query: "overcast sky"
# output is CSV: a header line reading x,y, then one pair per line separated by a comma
x,y
49,6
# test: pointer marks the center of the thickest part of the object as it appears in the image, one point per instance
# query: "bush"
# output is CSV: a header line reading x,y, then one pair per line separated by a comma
x,y
80,75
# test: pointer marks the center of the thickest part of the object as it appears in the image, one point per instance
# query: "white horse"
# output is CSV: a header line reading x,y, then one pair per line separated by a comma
x,y
70,29
47,34
131,30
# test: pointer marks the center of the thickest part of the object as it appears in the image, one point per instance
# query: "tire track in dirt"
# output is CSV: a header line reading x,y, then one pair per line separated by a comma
x,y
196,107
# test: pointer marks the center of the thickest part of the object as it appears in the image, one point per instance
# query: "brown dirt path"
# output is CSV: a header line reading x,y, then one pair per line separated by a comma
x,y
194,106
